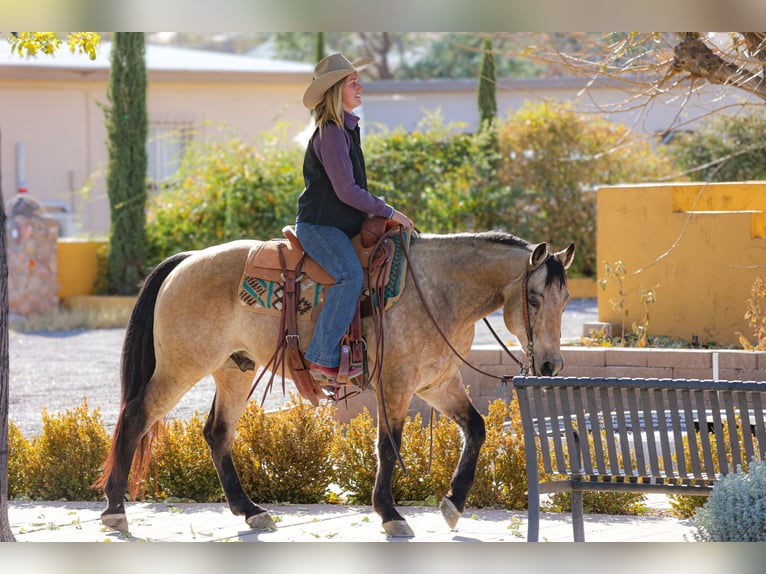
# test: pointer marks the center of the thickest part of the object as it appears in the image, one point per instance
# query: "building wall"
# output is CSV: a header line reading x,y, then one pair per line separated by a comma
x,y
699,246
404,104
62,127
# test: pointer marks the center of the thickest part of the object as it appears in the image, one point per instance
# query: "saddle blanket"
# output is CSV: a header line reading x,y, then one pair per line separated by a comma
x,y
261,292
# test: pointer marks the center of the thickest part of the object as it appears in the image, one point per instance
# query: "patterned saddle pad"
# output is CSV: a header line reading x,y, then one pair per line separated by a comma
x,y
261,286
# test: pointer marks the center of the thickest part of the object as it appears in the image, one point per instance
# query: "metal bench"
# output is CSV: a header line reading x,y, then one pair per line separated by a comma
x,y
629,435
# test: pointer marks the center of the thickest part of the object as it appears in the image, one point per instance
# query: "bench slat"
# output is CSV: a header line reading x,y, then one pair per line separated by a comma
x,y
584,453
760,426
540,414
611,448
731,423
646,405
667,459
742,402
551,411
694,458
573,436
638,441
627,461
704,434
715,407
598,443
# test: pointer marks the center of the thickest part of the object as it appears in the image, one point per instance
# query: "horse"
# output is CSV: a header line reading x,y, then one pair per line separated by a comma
x,y
188,322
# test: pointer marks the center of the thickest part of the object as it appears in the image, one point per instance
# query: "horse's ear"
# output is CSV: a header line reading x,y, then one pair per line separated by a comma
x,y
538,255
566,256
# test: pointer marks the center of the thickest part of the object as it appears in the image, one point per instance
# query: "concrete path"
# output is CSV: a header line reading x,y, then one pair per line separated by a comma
x,y
160,522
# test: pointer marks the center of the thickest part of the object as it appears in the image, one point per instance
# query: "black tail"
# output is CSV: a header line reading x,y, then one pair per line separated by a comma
x,y
138,359
138,362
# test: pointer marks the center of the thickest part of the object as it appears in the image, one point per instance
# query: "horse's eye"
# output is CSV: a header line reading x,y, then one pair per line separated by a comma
x,y
534,302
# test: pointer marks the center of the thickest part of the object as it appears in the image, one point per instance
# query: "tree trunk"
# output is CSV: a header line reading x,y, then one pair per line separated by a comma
x,y
5,527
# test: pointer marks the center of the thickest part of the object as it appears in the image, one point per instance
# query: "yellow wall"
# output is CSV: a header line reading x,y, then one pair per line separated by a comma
x,y
77,266
701,245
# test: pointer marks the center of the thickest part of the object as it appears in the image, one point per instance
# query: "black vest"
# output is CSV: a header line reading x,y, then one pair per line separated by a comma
x,y
318,202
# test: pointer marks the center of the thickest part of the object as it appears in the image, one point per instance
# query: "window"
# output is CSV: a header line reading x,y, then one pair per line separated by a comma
x,y
166,146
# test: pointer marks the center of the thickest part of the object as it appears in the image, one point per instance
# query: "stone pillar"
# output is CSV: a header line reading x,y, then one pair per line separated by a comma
x,y
31,239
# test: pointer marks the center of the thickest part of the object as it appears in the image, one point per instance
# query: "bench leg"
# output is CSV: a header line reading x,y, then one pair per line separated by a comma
x,y
577,517
533,514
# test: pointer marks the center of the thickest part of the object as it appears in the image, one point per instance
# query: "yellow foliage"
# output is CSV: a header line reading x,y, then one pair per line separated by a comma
x,y
66,458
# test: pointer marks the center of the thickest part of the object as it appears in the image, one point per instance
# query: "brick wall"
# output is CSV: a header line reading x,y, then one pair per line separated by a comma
x,y
589,362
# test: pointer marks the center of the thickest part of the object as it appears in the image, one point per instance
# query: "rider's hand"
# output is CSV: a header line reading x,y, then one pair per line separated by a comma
x,y
402,219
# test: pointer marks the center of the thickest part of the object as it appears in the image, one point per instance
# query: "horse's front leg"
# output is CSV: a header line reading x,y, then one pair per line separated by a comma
x,y
453,402
382,496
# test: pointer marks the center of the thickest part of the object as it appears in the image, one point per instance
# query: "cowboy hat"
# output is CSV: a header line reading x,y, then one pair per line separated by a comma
x,y
327,73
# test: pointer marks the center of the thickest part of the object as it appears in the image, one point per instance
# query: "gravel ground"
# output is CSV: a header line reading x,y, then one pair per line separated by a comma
x,y
61,369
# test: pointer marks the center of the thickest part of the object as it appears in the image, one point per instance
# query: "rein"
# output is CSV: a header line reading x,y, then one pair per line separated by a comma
x,y
525,367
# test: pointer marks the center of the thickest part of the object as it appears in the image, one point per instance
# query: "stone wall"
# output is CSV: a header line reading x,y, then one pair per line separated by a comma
x,y
31,240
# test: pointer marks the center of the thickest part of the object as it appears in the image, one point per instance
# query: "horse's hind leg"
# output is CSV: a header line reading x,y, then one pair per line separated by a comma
x,y
132,438
131,426
232,389
452,401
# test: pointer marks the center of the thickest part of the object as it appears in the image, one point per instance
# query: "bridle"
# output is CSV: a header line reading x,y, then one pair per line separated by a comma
x,y
525,367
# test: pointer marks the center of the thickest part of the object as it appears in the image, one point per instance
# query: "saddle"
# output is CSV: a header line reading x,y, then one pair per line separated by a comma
x,y
284,263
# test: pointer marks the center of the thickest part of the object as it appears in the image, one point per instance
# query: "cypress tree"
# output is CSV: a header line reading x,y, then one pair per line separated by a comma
x,y
127,126
487,84
319,47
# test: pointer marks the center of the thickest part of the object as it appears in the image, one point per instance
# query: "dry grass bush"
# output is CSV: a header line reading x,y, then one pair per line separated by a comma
x,y
501,480
63,461
18,450
501,475
617,503
181,466
356,459
285,456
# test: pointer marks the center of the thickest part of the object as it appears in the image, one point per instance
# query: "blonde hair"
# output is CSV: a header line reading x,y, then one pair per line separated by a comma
x,y
330,107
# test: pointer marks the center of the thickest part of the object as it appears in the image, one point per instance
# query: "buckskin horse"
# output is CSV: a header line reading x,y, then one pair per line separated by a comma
x,y
188,322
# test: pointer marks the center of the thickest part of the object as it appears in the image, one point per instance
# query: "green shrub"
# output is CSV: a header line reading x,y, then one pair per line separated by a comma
x,y
181,466
284,456
534,175
553,161
226,191
18,452
67,457
432,174
736,509
724,148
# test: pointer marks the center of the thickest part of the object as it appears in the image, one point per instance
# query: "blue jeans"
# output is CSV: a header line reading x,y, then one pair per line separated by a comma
x,y
332,249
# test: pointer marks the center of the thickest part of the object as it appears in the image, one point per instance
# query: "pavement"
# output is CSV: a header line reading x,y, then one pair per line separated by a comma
x,y
33,521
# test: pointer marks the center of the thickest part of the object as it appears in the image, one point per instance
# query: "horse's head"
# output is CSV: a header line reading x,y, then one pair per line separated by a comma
x,y
534,305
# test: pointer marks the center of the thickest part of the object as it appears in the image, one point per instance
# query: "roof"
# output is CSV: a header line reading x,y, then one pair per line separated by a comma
x,y
159,59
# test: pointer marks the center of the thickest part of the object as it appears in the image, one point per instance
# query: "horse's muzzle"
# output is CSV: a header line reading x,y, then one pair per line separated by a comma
x,y
551,368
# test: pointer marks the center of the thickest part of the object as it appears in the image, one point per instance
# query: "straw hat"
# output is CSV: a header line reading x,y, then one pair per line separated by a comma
x,y
327,73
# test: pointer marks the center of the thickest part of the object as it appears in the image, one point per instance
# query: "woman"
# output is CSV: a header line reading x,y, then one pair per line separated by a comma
x,y
334,203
